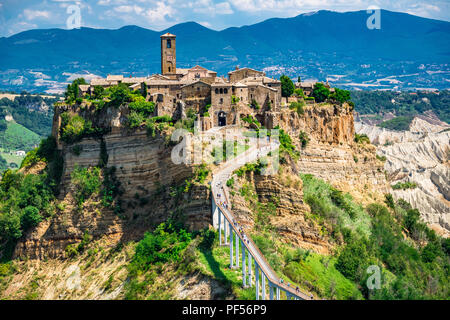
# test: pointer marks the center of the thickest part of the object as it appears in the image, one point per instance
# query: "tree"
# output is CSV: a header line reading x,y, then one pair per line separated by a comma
x,y
340,95
72,91
30,217
320,92
299,80
98,92
287,86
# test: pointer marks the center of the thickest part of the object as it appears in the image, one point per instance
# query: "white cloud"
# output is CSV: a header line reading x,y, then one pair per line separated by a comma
x,y
36,14
223,8
159,13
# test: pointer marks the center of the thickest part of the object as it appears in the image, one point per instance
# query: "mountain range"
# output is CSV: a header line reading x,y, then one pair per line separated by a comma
x,y
407,52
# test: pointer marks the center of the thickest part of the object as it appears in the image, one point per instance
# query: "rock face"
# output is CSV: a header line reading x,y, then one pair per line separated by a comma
x,y
145,171
332,154
421,157
285,190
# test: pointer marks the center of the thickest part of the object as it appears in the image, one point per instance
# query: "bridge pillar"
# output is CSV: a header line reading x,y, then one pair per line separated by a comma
x,y
236,238
257,280
278,293
244,273
225,229
231,247
249,268
263,286
270,291
220,227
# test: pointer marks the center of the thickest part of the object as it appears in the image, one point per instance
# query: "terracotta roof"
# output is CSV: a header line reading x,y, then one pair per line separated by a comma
x,y
198,81
114,77
84,87
245,69
168,35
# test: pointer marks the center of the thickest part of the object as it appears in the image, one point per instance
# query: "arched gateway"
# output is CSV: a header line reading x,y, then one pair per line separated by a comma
x,y
222,119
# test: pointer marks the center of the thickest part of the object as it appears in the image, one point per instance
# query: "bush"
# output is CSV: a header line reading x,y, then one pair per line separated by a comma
x,y
287,86
163,245
361,138
86,182
298,106
144,108
304,139
135,119
30,217
320,92
404,185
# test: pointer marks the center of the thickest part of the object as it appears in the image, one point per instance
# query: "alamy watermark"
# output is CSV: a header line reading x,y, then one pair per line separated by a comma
x,y
227,147
74,19
374,20
374,280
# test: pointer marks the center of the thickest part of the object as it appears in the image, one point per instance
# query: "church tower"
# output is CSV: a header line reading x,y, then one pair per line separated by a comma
x,y
168,55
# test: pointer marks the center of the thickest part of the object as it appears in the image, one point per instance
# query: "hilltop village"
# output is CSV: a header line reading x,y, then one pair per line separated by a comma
x,y
221,101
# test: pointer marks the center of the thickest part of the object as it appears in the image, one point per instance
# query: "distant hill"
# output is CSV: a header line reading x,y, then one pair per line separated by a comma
x,y
316,45
17,137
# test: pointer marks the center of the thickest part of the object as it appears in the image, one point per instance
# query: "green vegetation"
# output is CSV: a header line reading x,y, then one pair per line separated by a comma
x,y
286,146
251,121
73,92
86,182
404,185
256,167
320,92
298,106
17,137
23,110
304,139
398,123
403,103
25,201
361,138
381,158
287,86
228,150
340,95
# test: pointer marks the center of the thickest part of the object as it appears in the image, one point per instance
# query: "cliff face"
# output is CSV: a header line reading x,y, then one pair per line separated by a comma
x,y
419,155
285,191
332,154
145,171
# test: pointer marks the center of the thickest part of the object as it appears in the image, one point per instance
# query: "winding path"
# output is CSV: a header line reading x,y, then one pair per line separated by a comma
x,y
226,222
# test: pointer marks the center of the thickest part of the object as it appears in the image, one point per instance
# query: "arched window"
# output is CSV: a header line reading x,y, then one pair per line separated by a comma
x,y
225,90
169,43
221,90
217,91
169,69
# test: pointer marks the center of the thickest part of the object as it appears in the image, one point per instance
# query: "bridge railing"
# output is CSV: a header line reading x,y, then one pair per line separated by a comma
x,y
255,253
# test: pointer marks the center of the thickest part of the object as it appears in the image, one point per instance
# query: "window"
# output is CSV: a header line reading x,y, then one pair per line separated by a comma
x,y
225,90
198,88
221,90
169,43
169,69
221,100
217,91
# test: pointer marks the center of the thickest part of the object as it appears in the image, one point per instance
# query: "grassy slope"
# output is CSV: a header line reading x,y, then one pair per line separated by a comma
x,y
17,137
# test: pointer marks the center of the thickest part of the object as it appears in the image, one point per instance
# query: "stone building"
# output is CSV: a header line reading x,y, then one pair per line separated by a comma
x,y
175,90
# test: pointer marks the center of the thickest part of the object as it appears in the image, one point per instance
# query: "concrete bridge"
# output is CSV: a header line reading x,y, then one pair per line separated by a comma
x,y
244,253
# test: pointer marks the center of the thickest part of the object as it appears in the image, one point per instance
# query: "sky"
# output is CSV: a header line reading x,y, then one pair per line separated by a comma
x,y
17,16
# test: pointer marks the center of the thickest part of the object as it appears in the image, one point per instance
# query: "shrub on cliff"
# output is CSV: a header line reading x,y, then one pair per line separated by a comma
x,y
361,138
72,91
25,200
298,106
287,86
320,92
86,182
145,108
340,95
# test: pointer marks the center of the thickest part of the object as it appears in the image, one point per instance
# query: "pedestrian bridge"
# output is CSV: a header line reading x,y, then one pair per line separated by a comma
x,y
242,248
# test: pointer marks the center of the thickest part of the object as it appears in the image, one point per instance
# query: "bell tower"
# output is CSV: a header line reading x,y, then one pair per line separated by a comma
x,y
168,55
